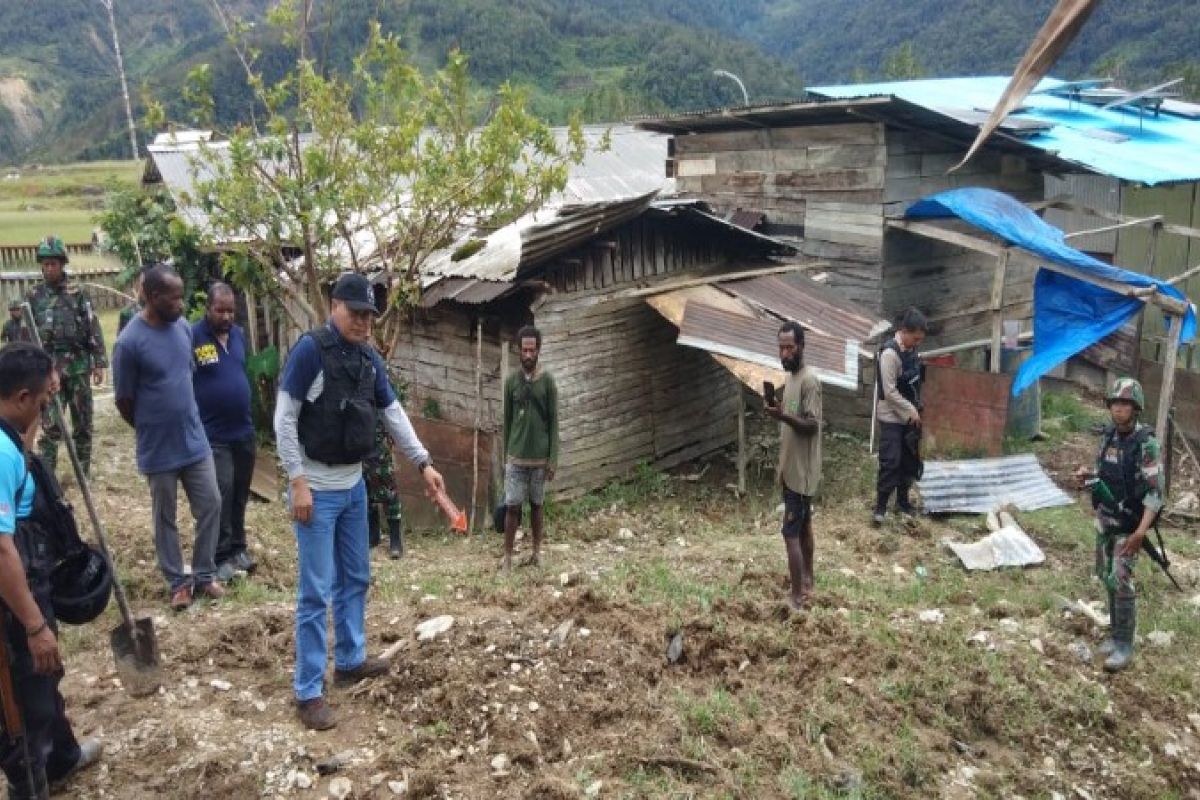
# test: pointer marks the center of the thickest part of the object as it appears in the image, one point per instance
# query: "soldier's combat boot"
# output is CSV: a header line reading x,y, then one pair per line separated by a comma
x,y
1122,653
372,526
1106,647
395,539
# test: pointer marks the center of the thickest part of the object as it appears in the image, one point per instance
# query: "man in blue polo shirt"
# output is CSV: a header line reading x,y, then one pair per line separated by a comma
x,y
334,385
223,397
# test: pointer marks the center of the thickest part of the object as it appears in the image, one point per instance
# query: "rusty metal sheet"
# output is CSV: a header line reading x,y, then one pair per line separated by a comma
x,y
755,340
814,306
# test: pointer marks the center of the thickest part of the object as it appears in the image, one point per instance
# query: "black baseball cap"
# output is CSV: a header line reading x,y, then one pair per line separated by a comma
x,y
355,291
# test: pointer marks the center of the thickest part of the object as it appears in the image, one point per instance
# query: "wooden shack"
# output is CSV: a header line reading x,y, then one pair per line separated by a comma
x,y
629,393
839,169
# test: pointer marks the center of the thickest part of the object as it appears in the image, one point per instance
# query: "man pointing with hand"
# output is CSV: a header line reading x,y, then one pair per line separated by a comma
x,y
334,384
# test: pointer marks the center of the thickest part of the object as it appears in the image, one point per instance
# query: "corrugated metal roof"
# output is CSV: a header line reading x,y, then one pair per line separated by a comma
x,y
1158,149
756,340
985,484
816,307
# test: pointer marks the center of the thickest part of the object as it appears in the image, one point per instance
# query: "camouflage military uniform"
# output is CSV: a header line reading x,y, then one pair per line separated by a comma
x,y
1128,485
127,313
70,332
1111,532
379,470
14,331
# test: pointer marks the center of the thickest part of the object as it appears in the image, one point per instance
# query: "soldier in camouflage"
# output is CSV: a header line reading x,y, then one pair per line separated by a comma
x,y
1127,497
70,332
14,329
379,472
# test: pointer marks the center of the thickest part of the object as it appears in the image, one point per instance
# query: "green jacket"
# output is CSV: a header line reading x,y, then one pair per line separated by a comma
x,y
69,327
531,420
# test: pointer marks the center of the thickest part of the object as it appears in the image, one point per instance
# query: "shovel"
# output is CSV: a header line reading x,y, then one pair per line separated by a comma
x,y
134,644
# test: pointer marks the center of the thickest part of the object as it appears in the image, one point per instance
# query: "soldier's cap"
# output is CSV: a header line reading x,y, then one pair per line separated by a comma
x,y
355,291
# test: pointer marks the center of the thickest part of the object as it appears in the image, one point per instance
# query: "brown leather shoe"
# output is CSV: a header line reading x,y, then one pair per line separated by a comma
x,y
211,591
315,714
181,598
370,668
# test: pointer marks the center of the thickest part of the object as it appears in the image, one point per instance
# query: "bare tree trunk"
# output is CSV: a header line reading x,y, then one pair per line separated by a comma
x,y
112,24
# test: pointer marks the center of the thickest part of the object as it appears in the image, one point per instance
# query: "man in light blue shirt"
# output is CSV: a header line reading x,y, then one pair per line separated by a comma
x,y
51,752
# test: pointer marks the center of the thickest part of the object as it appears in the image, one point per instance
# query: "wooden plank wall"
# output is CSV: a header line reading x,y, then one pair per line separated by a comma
x,y
642,249
629,394
827,180
951,285
435,357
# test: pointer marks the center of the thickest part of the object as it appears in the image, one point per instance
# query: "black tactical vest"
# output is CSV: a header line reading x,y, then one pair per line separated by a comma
x,y
339,427
1120,472
49,534
908,382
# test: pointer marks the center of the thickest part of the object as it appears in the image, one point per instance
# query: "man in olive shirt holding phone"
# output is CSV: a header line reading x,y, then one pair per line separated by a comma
x,y
798,409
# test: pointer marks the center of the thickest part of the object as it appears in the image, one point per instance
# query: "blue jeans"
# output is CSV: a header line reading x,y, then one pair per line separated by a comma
x,y
335,566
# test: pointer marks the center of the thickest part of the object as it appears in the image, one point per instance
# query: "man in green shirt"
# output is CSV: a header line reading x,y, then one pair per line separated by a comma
x,y
530,443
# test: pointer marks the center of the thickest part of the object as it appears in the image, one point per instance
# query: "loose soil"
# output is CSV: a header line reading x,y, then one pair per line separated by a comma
x,y
853,697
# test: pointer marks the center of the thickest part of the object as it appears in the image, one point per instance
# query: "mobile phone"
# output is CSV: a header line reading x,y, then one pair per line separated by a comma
x,y
769,393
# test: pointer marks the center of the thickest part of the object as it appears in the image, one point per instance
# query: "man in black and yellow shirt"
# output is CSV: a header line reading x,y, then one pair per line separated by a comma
x,y
530,442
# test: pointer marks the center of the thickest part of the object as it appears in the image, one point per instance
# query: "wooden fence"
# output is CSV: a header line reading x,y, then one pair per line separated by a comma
x,y
100,282
16,256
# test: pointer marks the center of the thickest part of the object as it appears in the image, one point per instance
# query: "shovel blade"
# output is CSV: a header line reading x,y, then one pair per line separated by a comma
x,y
135,652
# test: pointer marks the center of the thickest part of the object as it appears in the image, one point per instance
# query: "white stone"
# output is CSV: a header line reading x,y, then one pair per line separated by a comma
x,y
934,616
431,628
303,781
593,789
1036,644
1160,638
398,787
1172,750
220,685
625,533
533,706
340,788
500,764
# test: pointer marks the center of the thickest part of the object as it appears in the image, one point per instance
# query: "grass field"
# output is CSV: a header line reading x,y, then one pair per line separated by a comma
x,y
58,199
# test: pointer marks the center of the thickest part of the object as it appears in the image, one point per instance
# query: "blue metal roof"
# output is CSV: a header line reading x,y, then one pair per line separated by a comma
x,y
1159,149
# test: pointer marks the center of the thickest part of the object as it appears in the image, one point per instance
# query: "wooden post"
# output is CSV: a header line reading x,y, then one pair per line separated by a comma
x,y
478,422
1167,390
1151,257
498,443
998,308
741,434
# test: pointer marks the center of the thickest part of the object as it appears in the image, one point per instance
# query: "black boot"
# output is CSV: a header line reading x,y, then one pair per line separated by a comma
x,y
903,504
39,790
1110,643
1122,653
395,539
881,501
372,526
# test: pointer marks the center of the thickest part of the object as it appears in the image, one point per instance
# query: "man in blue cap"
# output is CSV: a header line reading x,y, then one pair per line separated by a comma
x,y
334,385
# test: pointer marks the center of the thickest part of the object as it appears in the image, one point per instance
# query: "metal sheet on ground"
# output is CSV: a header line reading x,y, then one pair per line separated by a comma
x,y
1008,547
985,484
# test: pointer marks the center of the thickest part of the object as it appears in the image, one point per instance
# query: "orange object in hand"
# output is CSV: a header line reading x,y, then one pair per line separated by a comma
x,y
457,517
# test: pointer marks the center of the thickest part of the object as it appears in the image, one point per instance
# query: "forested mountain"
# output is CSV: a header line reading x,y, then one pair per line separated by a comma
x,y
59,97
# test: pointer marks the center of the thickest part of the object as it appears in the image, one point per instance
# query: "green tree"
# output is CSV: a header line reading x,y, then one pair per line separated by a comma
x,y
143,227
902,64
372,171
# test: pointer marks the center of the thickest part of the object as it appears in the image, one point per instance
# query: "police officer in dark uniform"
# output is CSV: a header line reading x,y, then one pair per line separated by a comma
x,y
898,388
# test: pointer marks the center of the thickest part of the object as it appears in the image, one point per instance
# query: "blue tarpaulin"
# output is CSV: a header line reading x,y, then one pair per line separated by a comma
x,y
1069,314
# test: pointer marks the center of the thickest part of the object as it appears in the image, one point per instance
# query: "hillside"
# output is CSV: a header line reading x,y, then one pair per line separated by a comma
x,y
59,97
